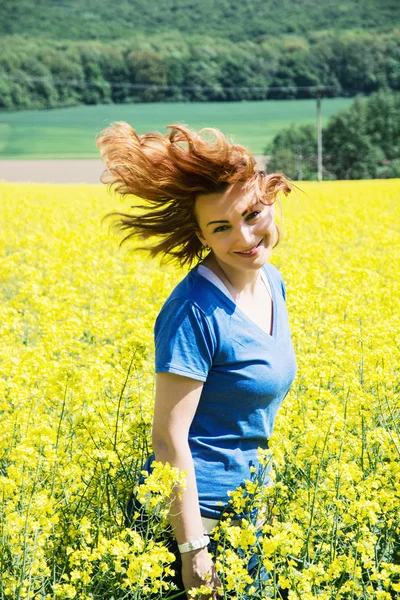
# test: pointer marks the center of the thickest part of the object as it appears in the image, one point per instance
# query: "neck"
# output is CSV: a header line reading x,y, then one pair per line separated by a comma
x,y
240,281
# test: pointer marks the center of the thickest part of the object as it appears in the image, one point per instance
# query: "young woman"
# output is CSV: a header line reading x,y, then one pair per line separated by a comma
x,y
224,355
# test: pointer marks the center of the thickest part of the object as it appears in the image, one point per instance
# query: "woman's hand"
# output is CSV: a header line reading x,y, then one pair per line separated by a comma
x,y
198,569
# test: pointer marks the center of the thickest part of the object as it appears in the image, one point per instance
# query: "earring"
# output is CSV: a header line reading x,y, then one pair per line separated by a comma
x,y
206,247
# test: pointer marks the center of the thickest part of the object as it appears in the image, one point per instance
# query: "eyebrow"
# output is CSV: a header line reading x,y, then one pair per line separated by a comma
x,y
243,214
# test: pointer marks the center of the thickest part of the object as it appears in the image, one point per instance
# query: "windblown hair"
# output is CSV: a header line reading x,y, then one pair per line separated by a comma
x,y
168,172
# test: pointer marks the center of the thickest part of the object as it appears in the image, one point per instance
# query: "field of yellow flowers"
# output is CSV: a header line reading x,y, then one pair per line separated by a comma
x,y
76,392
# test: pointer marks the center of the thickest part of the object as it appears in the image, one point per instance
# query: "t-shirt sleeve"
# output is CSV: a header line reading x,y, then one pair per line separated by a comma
x,y
183,340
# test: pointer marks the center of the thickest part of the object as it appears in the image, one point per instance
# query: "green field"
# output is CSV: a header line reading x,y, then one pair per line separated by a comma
x,y
70,132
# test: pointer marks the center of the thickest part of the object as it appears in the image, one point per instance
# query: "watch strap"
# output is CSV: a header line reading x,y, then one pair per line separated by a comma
x,y
201,542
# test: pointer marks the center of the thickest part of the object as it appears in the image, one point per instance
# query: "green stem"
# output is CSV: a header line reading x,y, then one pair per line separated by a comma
x,y
315,496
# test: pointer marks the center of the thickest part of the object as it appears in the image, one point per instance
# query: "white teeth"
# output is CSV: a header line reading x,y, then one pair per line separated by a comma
x,y
250,251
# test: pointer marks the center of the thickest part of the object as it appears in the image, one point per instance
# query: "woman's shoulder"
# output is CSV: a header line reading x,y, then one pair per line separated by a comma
x,y
192,291
186,288
183,330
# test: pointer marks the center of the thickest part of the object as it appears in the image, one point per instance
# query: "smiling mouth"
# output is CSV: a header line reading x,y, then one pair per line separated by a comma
x,y
251,249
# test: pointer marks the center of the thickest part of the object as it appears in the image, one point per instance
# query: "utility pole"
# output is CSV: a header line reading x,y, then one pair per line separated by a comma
x,y
299,157
319,138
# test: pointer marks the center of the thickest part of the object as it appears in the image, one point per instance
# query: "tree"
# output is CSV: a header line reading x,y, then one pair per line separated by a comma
x,y
6,100
202,73
40,83
115,70
362,142
382,116
349,151
148,68
294,151
97,90
68,74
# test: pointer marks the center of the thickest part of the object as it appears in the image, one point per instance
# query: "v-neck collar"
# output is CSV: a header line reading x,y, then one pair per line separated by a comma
x,y
243,315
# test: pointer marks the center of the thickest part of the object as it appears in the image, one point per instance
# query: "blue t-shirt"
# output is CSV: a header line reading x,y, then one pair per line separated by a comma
x,y
200,333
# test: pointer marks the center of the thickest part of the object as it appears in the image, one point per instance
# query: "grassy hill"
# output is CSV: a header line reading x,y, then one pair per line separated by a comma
x,y
233,19
70,132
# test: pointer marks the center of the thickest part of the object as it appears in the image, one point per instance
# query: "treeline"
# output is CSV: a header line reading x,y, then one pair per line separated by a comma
x,y
236,20
360,142
37,73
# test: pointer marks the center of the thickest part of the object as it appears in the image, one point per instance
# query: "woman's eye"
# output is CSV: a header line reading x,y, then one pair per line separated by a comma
x,y
220,228
252,215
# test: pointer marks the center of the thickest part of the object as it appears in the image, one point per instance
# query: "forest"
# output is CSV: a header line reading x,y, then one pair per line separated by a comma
x,y
236,20
169,67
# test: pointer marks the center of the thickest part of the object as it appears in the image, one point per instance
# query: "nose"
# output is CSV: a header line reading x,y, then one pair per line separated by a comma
x,y
245,236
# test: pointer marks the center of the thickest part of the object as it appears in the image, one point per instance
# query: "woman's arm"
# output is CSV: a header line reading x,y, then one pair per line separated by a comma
x,y
176,402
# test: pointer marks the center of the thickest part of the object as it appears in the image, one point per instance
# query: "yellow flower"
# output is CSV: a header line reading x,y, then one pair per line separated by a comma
x,y
77,390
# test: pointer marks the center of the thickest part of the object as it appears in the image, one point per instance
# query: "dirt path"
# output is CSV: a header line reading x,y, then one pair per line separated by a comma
x,y
51,171
59,171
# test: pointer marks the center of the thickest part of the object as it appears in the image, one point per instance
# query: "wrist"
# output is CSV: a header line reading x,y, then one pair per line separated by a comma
x,y
194,555
193,545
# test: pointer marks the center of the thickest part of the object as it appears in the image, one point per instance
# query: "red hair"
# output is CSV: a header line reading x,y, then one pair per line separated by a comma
x,y
168,172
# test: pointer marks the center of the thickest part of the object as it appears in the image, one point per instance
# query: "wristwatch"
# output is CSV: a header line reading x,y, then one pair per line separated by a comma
x,y
194,544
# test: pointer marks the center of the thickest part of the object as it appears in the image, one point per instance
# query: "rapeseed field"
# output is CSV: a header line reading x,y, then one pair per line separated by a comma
x,y
76,394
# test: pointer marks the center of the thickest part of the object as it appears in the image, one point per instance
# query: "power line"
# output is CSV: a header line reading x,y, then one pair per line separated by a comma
x,y
317,89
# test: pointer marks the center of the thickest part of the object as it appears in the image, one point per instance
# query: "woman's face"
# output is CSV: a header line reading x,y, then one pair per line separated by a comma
x,y
239,230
